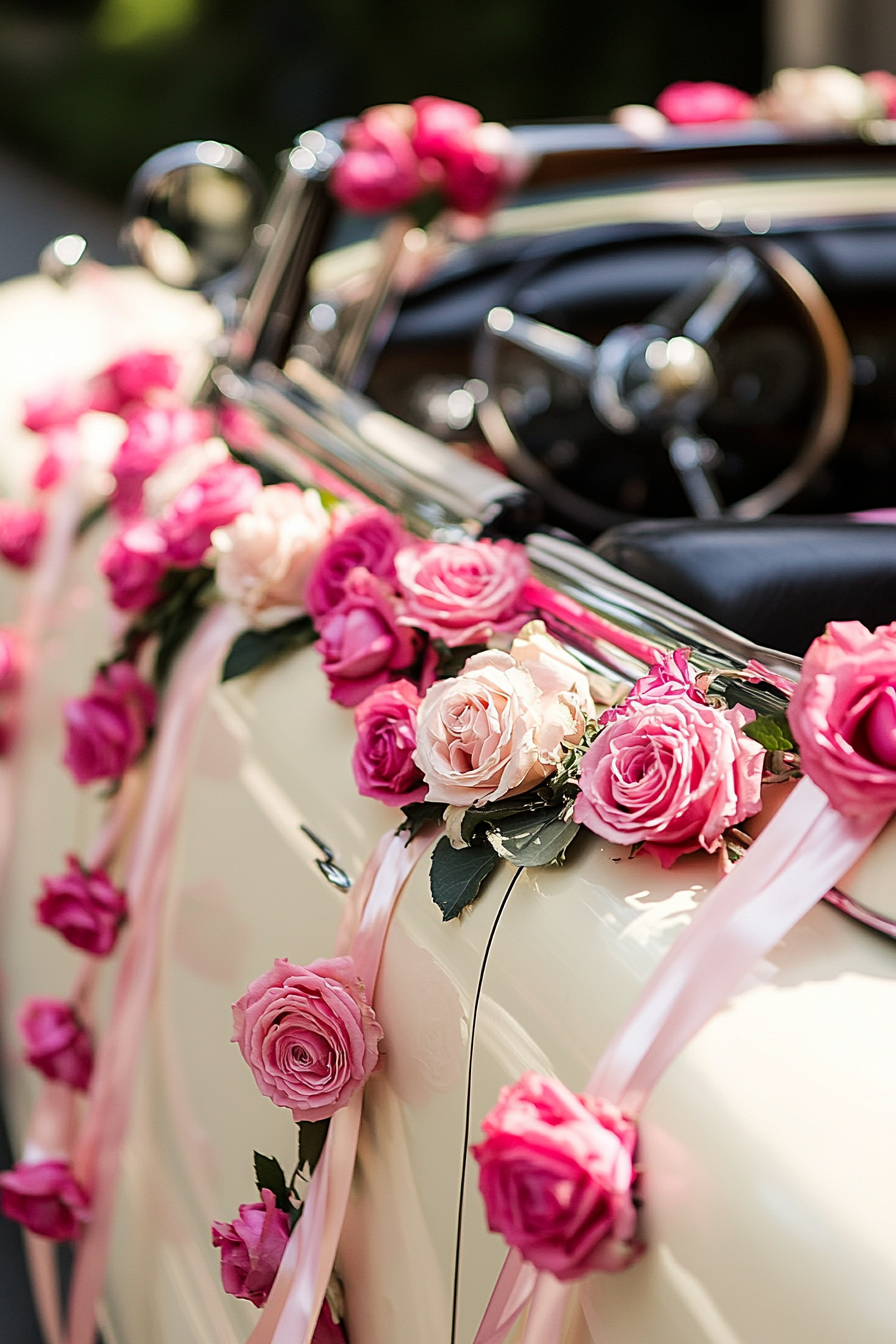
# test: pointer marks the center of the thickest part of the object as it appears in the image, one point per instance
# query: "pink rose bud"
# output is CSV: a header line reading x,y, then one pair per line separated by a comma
x,y
673,775
843,715
21,532
155,433
379,170
59,409
108,729
84,906
12,660
308,1034
362,640
556,1174
56,1041
370,541
213,500
462,593
689,104
131,378
45,1198
383,760
251,1248
134,562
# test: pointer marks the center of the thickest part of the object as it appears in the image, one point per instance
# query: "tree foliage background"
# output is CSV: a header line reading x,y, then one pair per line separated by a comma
x,y
92,87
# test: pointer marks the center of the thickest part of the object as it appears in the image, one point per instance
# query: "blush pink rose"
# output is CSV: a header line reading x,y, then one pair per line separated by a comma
x,y
462,593
83,905
213,500
108,729
370,540
56,1041
251,1248
263,558
21,532
135,562
131,378
843,715
670,679
556,1174
503,725
155,434
45,1198
308,1034
686,103
378,170
672,775
362,640
383,759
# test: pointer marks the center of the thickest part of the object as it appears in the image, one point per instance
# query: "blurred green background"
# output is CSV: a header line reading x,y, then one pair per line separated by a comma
x,y
90,88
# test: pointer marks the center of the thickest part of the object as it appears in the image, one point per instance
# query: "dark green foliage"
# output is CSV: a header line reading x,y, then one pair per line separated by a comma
x,y
257,648
456,875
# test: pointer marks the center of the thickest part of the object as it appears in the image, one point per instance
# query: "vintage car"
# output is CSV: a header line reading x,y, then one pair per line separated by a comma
x,y
670,370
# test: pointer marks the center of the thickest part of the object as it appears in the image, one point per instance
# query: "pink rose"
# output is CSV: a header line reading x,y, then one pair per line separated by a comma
x,y
61,446
462,593
21,532
440,124
883,84
134,562
61,408
264,557
668,680
327,1331
556,1173
308,1034
213,500
478,168
383,760
370,541
673,775
107,729
56,1041
843,715
155,433
45,1198
687,103
362,640
84,906
379,170
502,726
131,378
252,1247
12,660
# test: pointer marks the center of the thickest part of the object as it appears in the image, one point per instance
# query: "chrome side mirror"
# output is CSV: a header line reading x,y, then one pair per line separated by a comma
x,y
191,211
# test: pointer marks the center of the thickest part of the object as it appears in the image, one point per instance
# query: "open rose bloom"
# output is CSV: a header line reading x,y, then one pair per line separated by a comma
x,y
84,906
462,594
45,1198
56,1041
251,1249
108,729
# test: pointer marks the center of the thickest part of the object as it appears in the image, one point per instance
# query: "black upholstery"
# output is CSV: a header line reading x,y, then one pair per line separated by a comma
x,y
777,581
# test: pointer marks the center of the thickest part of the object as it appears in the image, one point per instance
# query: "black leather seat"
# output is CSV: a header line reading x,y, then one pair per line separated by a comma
x,y
777,581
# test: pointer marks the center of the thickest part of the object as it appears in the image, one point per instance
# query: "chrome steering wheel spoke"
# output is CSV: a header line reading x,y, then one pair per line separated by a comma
x,y
564,351
694,459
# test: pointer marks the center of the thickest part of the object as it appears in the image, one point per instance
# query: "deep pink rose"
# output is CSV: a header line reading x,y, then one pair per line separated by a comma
x,y
686,103
672,775
56,1041
107,729
440,124
135,562
379,170
308,1034
12,660
383,760
843,715
476,171
213,500
83,905
556,1173
252,1247
669,679
370,541
61,408
131,378
362,641
155,433
45,1198
60,449
462,592
21,532
327,1331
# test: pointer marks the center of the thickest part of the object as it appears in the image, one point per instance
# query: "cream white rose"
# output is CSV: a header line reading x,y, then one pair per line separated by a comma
x,y
264,557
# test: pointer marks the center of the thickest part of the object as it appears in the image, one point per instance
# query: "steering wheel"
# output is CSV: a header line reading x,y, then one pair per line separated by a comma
x,y
661,375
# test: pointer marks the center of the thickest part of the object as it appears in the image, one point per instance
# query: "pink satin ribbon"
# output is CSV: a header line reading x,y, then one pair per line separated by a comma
x,y
574,616
805,849
97,1156
300,1286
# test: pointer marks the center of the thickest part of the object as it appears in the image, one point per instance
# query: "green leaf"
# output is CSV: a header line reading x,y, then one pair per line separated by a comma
x,y
772,730
418,815
455,875
172,618
492,813
312,1136
269,1176
451,660
258,648
90,518
535,839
